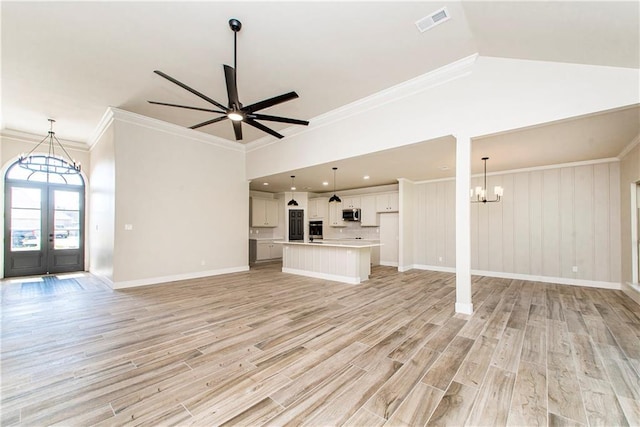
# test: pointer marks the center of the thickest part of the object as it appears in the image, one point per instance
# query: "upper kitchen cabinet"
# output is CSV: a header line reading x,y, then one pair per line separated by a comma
x,y
387,202
351,202
264,212
335,215
318,208
369,214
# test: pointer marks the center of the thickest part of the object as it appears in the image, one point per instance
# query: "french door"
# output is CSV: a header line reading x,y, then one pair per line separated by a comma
x,y
44,230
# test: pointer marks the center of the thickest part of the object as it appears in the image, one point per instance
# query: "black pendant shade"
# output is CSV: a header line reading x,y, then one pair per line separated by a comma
x,y
334,198
292,202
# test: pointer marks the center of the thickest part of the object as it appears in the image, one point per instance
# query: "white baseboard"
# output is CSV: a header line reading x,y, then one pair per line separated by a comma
x,y
528,277
324,276
464,308
176,277
389,263
632,290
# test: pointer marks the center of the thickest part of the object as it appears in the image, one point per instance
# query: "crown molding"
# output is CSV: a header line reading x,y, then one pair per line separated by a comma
x,y
630,146
531,169
437,77
34,139
115,114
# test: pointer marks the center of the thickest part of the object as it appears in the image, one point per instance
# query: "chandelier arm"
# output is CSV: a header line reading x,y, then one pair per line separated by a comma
x,y
65,151
36,147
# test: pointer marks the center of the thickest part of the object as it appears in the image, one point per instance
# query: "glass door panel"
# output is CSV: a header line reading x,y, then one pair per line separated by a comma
x,y
26,219
66,221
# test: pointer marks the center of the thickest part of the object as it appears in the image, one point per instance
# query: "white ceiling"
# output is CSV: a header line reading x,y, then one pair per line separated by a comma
x,y
71,60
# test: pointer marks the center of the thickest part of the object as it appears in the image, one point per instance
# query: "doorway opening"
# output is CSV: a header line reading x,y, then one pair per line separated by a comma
x,y
44,222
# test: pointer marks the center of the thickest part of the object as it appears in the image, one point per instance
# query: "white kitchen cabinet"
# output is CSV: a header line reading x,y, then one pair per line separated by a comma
x,y
369,213
318,208
267,250
264,212
351,202
387,202
335,215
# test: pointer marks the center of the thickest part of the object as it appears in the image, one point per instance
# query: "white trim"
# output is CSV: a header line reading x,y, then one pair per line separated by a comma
x,y
161,126
389,264
527,277
324,276
531,169
101,128
176,277
635,265
464,308
434,268
630,146
410,87
632,290
32,138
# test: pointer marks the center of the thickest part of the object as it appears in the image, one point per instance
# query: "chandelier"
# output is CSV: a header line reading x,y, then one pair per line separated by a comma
x,y
480,193
49,163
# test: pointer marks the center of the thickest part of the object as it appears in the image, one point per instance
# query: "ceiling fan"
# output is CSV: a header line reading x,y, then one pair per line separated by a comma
x,y
235,111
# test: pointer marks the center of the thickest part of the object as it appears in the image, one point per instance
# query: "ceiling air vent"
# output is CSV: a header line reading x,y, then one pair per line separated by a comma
x,y
437,17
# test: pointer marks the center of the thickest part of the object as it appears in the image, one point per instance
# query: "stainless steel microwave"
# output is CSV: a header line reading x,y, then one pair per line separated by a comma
x,y
351,214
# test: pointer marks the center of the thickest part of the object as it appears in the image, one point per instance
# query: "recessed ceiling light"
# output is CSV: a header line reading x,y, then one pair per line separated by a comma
x,y
365,177
265,183
444,168
325,183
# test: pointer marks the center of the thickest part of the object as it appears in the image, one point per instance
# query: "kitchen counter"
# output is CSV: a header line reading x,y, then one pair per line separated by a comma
x,y
346,261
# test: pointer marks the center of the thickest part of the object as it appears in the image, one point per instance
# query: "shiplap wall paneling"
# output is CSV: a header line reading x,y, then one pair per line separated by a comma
x,y
615,255
448,189
521,224
508,214
536,225
551,223
423,239
495,228
584,221
567,230
601,220
431,192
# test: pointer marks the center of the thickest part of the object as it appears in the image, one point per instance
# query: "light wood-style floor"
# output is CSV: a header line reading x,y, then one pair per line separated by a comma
x,y
267,348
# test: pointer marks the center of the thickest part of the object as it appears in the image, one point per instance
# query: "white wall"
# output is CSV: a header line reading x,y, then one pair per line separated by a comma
x,y
101,205
186,199
629,174
548,222
481,97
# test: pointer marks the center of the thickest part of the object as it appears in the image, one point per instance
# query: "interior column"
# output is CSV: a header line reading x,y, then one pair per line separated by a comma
x,y
463,225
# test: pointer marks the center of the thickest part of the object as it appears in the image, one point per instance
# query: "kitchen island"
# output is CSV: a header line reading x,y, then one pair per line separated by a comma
x,y
346,261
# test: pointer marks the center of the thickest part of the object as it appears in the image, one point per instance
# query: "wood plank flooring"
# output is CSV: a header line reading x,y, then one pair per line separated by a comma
x,y
267,348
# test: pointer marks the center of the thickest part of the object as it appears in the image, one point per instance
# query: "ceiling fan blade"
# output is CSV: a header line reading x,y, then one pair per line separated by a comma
x,y
270,102
237,128
193,91
232,88
209,122
278,119
263,128
187,107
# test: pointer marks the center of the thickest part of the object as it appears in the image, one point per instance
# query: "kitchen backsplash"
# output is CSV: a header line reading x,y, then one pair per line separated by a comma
x,y
351,231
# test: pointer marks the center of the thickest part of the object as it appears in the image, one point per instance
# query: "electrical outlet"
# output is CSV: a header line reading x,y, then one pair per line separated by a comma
x,y
575,269
439,259
128,227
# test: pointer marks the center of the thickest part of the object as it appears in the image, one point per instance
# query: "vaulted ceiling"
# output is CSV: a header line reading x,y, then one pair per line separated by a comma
x,y
72,60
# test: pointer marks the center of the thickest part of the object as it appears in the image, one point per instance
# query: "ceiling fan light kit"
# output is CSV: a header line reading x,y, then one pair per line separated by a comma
x,y
479,195
234,110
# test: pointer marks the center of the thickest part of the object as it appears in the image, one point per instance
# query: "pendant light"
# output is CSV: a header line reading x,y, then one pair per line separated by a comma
x,y
292,202
334,198
480,193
